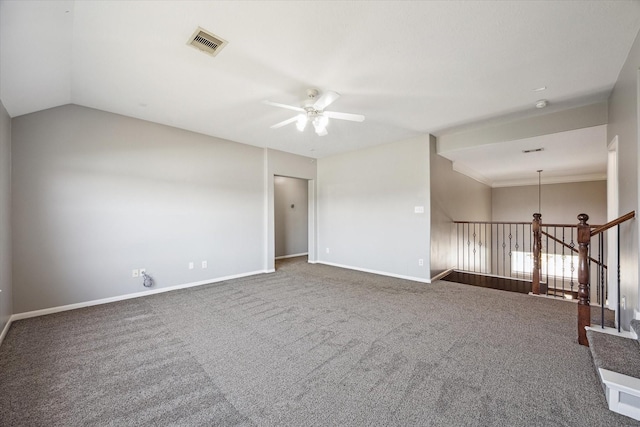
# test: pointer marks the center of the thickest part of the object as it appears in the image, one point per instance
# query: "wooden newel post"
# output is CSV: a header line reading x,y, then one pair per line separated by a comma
x,y
537,253
584,307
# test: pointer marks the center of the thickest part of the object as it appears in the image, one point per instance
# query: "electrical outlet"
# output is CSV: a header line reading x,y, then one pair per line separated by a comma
x,y
143,270
327,250
420,262
191,266
134,273
623,303
204,264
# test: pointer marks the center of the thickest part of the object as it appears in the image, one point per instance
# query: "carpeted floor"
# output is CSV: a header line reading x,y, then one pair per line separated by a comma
x,y
309,345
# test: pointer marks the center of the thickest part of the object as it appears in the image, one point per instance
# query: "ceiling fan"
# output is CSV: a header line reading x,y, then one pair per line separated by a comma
x,y
312,110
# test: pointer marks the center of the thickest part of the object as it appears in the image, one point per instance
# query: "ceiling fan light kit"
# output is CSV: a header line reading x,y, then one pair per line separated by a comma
x,y
312,110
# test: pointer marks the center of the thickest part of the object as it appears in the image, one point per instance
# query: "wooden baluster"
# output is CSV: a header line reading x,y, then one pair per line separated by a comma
x,y
584,309
537,253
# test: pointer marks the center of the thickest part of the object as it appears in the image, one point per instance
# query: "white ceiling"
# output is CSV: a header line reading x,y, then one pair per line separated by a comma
x,y
410,67
571,156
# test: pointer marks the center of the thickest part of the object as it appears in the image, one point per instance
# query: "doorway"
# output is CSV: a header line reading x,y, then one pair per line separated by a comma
x,y
291,217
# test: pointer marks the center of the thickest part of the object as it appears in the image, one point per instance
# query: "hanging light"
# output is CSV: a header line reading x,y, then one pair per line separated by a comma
x,y
539,191
320,125
302,122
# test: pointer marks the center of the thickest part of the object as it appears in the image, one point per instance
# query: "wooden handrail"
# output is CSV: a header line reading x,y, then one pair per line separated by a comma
x,y
492,222
567,225
613,223
570,247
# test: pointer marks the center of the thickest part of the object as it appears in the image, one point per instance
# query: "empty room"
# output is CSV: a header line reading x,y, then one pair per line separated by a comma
x,y
319,213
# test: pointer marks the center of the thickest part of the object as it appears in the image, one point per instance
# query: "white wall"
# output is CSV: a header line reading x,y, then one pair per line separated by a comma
x,y
454,197
291,216
6,305
96,195
623,122
366,205
545,122
561,203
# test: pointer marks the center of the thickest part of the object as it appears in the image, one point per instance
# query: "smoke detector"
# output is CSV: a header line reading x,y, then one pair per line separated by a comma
x,y
542,103
207,42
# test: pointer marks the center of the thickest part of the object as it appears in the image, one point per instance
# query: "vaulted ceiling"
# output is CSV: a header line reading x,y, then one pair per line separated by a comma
x,y
410,67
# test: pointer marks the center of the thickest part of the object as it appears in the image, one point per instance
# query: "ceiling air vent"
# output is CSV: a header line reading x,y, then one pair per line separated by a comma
x,y
206,42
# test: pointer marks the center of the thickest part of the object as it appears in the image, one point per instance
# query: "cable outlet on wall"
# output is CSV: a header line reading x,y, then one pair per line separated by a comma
x,y
204,264
142,271
191,266
134,273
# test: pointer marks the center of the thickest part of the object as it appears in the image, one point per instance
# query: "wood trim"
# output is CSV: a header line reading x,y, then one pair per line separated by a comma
x,y
569,247
613,223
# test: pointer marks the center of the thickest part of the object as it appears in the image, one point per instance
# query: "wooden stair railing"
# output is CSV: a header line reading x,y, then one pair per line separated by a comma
x,y
555,239
537,254
584,239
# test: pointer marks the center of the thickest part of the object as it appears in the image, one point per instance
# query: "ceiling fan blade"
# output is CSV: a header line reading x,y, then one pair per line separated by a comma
x,y
344,116
284,123
325,100
288,107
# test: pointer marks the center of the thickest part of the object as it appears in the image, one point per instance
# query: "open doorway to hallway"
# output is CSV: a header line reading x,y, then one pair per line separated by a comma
x,y
291,217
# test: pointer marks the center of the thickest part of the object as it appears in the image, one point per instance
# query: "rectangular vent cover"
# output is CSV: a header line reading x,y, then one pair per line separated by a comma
x,y
206,42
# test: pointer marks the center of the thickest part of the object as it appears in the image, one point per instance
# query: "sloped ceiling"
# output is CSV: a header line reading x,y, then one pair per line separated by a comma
x,y
410,67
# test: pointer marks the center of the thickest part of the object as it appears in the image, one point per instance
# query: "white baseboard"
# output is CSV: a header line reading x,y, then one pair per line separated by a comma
x,y
36,313
622,392
292,256
381,273
441,275
5,330
612,331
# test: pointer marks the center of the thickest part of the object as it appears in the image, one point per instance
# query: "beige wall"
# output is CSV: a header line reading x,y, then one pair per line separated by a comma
x,y
454,197
623,123
6,304
561,203
96,195
366,209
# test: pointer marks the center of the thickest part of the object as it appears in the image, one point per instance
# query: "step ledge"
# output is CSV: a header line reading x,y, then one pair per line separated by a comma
x,y
551,297
616,384
612,331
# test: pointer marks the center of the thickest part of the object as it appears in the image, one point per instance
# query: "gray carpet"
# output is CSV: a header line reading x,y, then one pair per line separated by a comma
x,y
309,345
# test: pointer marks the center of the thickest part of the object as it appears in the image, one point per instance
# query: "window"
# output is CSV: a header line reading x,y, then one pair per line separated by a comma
x,y
553,265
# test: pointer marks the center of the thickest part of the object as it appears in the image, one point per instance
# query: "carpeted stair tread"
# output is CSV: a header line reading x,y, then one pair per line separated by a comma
x,y
615,353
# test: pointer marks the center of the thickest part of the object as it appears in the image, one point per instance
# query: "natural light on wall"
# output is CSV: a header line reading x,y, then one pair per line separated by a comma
x,y
553,265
